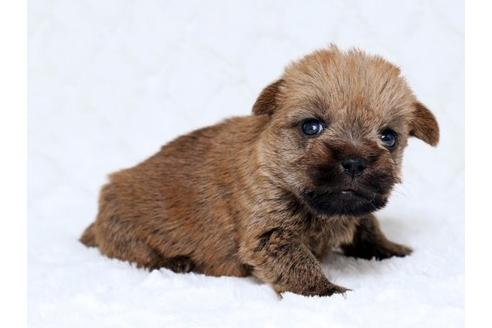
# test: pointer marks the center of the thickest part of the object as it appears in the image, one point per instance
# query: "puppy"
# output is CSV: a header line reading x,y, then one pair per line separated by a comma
x,y
270,194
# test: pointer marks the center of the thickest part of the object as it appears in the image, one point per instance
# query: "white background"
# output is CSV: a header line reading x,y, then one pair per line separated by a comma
x,y
111,81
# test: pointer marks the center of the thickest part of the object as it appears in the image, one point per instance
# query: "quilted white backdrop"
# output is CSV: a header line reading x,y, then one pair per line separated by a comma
x,y
110,81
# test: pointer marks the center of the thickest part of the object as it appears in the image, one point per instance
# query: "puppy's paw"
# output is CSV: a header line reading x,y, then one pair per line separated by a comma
x,y
390,249
335,289
321,289
178,264
379,251
181,264
395,249
327,289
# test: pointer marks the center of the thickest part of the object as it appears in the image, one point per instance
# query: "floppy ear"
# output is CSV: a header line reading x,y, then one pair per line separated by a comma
x,y
267,100
424,125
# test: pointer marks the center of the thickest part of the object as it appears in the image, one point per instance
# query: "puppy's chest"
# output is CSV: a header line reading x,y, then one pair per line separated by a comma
x,y
321,234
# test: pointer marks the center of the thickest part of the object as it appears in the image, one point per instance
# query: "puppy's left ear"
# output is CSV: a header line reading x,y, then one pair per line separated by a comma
x,y
267,101
424,125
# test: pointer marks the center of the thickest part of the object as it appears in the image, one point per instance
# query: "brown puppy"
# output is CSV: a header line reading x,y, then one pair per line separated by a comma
x,y
270,194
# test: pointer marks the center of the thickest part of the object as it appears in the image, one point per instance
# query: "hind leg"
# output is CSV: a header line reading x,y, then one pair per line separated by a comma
x,y
145,257
128,249
178,264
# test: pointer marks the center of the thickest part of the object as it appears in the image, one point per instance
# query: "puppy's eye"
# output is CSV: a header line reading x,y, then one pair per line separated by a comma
x,y
388,138
312,127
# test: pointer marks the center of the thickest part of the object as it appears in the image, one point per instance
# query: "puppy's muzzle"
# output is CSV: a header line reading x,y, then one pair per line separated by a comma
x,y
353,166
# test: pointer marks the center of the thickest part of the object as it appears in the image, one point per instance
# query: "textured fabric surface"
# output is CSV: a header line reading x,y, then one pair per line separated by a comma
x,y
111,81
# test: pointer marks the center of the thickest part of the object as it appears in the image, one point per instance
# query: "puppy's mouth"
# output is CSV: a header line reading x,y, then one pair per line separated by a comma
x,y
351,192
344,201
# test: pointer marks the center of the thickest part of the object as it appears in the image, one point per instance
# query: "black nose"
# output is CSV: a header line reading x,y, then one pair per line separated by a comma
x,y
353,166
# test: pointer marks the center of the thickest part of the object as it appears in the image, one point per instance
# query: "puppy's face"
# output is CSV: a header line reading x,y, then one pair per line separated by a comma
x,y
338,125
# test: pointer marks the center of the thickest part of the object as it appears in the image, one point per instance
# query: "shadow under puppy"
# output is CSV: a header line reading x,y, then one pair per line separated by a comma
x,y
270,194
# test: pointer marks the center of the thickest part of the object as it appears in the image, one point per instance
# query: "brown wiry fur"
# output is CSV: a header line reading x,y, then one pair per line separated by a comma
x,y
251,195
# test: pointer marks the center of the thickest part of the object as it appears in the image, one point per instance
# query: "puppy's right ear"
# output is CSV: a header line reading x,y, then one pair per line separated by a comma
x,y
267,101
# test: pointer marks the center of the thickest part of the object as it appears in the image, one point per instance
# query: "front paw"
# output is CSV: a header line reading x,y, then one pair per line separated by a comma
x,y
335,289
322,289
326,289
379,251
391,249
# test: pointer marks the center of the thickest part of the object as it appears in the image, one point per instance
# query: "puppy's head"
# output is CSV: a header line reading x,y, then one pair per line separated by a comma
x,y
338,124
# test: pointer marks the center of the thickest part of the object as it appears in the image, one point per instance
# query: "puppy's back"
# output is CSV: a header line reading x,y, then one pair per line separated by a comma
x,y
179,202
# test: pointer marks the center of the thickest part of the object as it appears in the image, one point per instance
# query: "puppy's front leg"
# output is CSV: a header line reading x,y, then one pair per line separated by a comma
x,y
370,242
279,258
